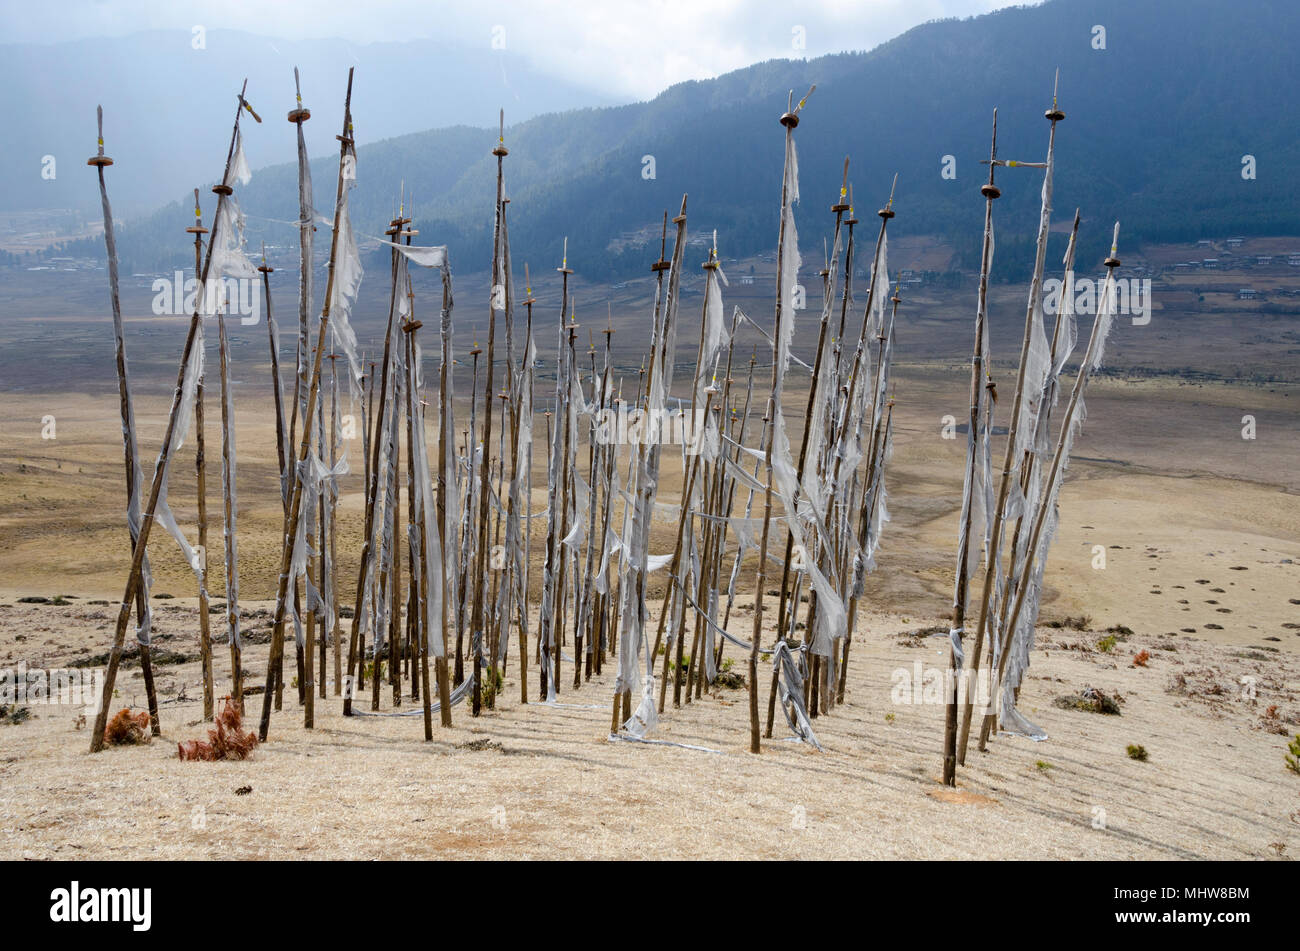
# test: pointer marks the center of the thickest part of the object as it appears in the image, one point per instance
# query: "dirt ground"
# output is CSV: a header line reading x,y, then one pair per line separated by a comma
x,y
542,781
1172,526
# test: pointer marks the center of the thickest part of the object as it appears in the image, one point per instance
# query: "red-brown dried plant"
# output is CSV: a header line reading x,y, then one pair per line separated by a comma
x,y
1141,657
227,741
127,729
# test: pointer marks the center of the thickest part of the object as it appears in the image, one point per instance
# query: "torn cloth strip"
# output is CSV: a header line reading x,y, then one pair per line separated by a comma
x,y
790,686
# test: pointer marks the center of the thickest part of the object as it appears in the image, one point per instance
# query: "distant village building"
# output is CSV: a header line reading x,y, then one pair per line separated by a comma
x,y
1293,260
1263,259
1205,243
1234,242
747,279
1210,264
1247,293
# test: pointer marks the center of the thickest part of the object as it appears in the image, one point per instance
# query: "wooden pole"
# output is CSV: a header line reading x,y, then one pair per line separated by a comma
x,y
160,472
1040,514
372,489
527,475
990,193
1053,115
387,429
789,120
228,501
784,621
336,633
477,618
131,452
291,529
446,443
200,466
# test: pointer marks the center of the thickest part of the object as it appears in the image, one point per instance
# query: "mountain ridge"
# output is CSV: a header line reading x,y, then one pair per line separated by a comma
x,y
1169,172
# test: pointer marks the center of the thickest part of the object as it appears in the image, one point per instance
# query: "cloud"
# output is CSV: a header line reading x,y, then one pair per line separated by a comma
x,y
625,49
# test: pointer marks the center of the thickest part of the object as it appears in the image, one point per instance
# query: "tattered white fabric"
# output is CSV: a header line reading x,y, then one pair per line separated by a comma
x,y
1024,616
239,171
459,693
346,285
1038,359
426,518
185,411
790,687
228,483
638,516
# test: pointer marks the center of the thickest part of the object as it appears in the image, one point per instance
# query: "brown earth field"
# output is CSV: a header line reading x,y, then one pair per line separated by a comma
x,y
1178,537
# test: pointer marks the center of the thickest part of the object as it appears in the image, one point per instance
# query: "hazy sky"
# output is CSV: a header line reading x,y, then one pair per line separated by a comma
x,y
627,49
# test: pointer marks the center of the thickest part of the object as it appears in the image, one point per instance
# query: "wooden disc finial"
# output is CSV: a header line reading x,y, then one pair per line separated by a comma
x,y
501,151
99,158
1054,114
197,228
888,211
